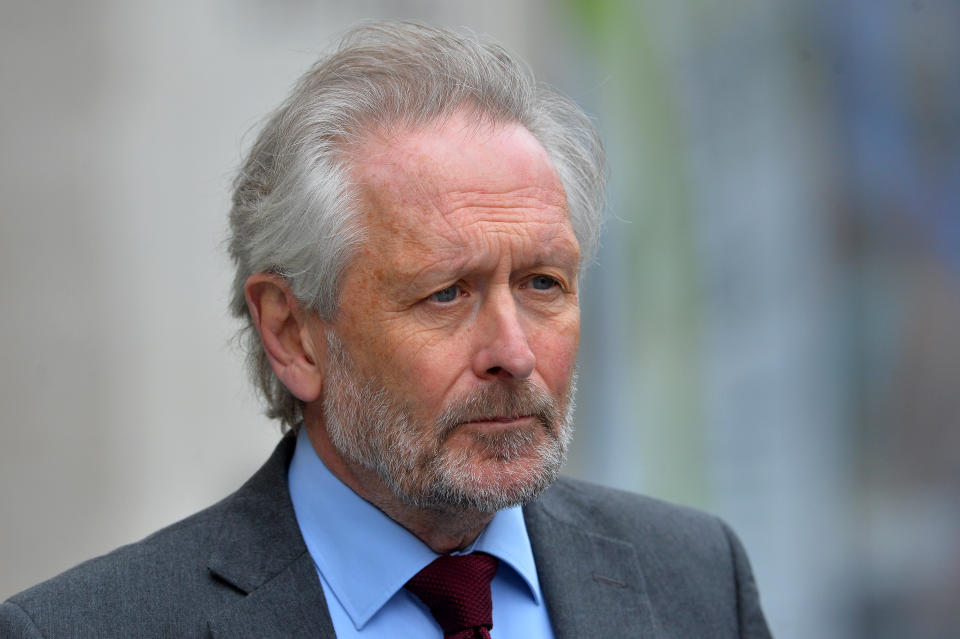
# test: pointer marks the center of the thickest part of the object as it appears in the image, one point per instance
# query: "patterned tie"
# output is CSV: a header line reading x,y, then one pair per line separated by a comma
x,y
457,591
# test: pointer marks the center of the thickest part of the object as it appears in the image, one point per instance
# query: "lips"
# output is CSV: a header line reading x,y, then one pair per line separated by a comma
x,y
499,419
500,407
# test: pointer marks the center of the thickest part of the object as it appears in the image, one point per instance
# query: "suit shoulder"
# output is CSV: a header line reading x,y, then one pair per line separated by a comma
x,y
690,560
608,509
165,584
679,535
158,586
159,558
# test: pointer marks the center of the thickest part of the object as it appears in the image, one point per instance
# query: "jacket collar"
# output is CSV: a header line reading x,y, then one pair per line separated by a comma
x,y
592,583
259,551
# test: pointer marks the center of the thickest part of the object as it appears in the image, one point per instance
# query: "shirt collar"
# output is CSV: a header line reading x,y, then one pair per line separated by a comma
x,y
365,556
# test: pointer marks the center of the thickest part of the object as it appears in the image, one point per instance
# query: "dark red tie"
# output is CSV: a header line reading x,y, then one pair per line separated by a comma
x,y
456,589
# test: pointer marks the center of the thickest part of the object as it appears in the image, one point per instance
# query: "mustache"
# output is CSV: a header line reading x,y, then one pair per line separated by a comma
x,y
513,399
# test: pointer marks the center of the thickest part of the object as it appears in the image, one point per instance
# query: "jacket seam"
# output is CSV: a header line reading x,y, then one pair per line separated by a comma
x,y
736,574
29,617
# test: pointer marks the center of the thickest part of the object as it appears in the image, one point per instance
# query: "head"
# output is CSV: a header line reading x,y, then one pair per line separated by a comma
x,y
350,187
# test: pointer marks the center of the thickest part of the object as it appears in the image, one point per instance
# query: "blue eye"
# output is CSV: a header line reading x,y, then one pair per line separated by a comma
x,y
446,295
542,283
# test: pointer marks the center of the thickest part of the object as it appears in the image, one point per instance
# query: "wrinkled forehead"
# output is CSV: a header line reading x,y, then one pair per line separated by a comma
x,y
435,169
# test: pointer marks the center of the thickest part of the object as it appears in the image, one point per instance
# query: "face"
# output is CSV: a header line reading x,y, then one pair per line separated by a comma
x,y
450,361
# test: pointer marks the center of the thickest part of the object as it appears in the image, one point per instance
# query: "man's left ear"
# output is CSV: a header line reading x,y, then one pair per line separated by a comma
x,y
285,332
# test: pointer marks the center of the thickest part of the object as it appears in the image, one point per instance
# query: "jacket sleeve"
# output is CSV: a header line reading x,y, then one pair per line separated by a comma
x,y
15,623
752,623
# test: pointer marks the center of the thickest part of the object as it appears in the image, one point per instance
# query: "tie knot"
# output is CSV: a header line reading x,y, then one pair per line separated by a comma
x,y
456,589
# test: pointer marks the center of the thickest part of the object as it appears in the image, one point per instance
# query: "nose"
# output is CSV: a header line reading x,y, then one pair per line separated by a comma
x,y
503,349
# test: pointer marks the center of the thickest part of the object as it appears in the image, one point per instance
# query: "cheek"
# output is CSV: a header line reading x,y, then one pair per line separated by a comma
x,y
556,352
427,370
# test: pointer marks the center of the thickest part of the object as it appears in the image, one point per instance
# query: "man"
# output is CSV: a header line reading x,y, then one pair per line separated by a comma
x,y
408,232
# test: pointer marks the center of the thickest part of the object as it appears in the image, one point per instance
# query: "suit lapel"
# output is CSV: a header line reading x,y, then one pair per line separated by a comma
x,y
259,552
592,584
289,605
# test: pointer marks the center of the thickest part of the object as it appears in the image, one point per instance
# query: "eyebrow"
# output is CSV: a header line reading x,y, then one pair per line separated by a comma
x,y
441,270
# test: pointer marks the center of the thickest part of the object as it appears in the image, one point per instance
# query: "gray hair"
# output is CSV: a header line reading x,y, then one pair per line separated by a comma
x,y
294,211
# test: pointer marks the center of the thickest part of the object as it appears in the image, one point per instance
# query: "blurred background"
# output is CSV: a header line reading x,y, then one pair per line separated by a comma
x,y
771,331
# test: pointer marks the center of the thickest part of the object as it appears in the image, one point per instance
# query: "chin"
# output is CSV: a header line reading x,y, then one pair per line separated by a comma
x,y
491,484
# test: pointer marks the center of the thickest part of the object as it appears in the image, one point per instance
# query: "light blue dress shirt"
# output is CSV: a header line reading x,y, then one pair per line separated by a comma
x,y
364,558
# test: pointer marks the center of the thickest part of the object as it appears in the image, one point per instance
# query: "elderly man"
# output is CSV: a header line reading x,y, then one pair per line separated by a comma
x,y
409,232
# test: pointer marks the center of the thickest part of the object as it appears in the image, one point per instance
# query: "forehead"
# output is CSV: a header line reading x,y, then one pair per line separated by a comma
x,y
448,180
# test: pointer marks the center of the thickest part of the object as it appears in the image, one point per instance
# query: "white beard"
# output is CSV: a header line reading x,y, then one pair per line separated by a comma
x,y
373,428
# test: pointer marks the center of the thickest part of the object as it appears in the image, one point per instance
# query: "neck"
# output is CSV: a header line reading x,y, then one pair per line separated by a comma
x,y
442,530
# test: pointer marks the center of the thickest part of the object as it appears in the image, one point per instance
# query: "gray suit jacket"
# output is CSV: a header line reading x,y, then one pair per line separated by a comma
x,y
611,564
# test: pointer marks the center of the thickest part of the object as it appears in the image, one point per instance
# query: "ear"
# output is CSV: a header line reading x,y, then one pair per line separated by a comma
x,y
285,333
